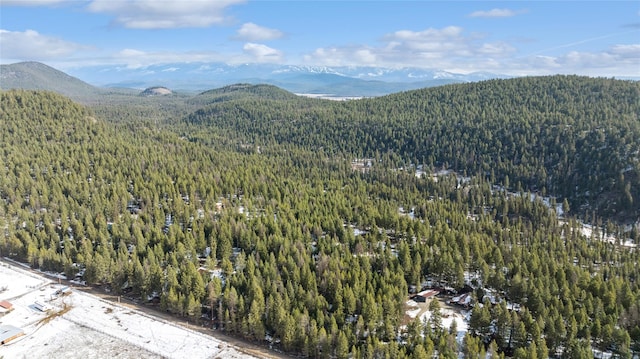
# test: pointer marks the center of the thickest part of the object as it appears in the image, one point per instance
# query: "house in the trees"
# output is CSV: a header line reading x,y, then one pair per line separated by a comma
x,y
5,307
465,300
9,333
425,294
43,307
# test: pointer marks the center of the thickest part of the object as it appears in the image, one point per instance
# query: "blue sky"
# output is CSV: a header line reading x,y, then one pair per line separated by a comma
x,y
594,38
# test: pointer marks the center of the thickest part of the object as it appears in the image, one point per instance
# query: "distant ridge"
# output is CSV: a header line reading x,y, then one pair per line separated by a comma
x,y
38,76
242,91
156,91
367,81
331,81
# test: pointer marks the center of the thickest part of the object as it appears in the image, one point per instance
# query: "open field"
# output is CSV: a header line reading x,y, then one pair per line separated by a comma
x,y
81,325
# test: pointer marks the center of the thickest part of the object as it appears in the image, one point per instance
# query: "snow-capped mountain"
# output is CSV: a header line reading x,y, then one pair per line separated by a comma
x,y
339,81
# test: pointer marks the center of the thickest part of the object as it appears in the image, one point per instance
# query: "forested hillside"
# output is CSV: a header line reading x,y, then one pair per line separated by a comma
x,y
573,137
38,76
248,210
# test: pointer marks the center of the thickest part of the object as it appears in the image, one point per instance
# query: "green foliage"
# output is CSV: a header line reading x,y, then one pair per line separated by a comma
x,y
38,76
242,92
574,137
248,211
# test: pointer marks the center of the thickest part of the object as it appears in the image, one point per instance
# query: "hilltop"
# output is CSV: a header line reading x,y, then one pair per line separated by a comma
x,y
242,91
38,76
156,91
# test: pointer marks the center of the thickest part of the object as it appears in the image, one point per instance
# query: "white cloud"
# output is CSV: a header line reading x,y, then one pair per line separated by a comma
x,y
253,32
624,58
154,14
618,61
366,56
627,51
448,39
453,49
496,13
428,34
434,48
496,48
31,45
262,53
131,53
134,59
34,2
334,56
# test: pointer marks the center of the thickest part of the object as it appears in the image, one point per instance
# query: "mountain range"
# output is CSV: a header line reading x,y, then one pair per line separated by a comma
x,y
197,77
336,81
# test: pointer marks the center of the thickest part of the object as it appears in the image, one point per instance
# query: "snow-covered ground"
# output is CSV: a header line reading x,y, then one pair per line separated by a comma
x,y
448,317
588,231
414,309
326,96
93,327
418,311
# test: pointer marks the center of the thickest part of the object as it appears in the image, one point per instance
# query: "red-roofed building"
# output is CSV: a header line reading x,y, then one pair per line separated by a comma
x,y
5,307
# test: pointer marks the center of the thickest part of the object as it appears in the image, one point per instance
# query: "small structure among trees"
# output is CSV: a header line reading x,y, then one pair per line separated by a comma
x,y
9,333
423,296
5,307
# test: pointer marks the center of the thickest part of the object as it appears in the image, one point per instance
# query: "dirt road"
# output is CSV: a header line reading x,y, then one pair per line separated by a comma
x,y
239,344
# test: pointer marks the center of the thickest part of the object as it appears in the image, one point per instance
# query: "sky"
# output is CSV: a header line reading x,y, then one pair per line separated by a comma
x,y
593,38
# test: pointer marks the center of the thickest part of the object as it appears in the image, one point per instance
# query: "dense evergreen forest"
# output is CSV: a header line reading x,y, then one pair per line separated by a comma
x,y
574,137
245,205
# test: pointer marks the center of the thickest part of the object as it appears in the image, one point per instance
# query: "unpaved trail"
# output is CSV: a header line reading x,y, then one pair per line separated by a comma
x,y
241,345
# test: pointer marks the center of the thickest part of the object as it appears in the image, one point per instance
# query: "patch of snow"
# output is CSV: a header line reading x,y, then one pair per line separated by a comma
x,y
325,96
411,214
411,303
602,355
413,313
93,327
358,232
448,317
